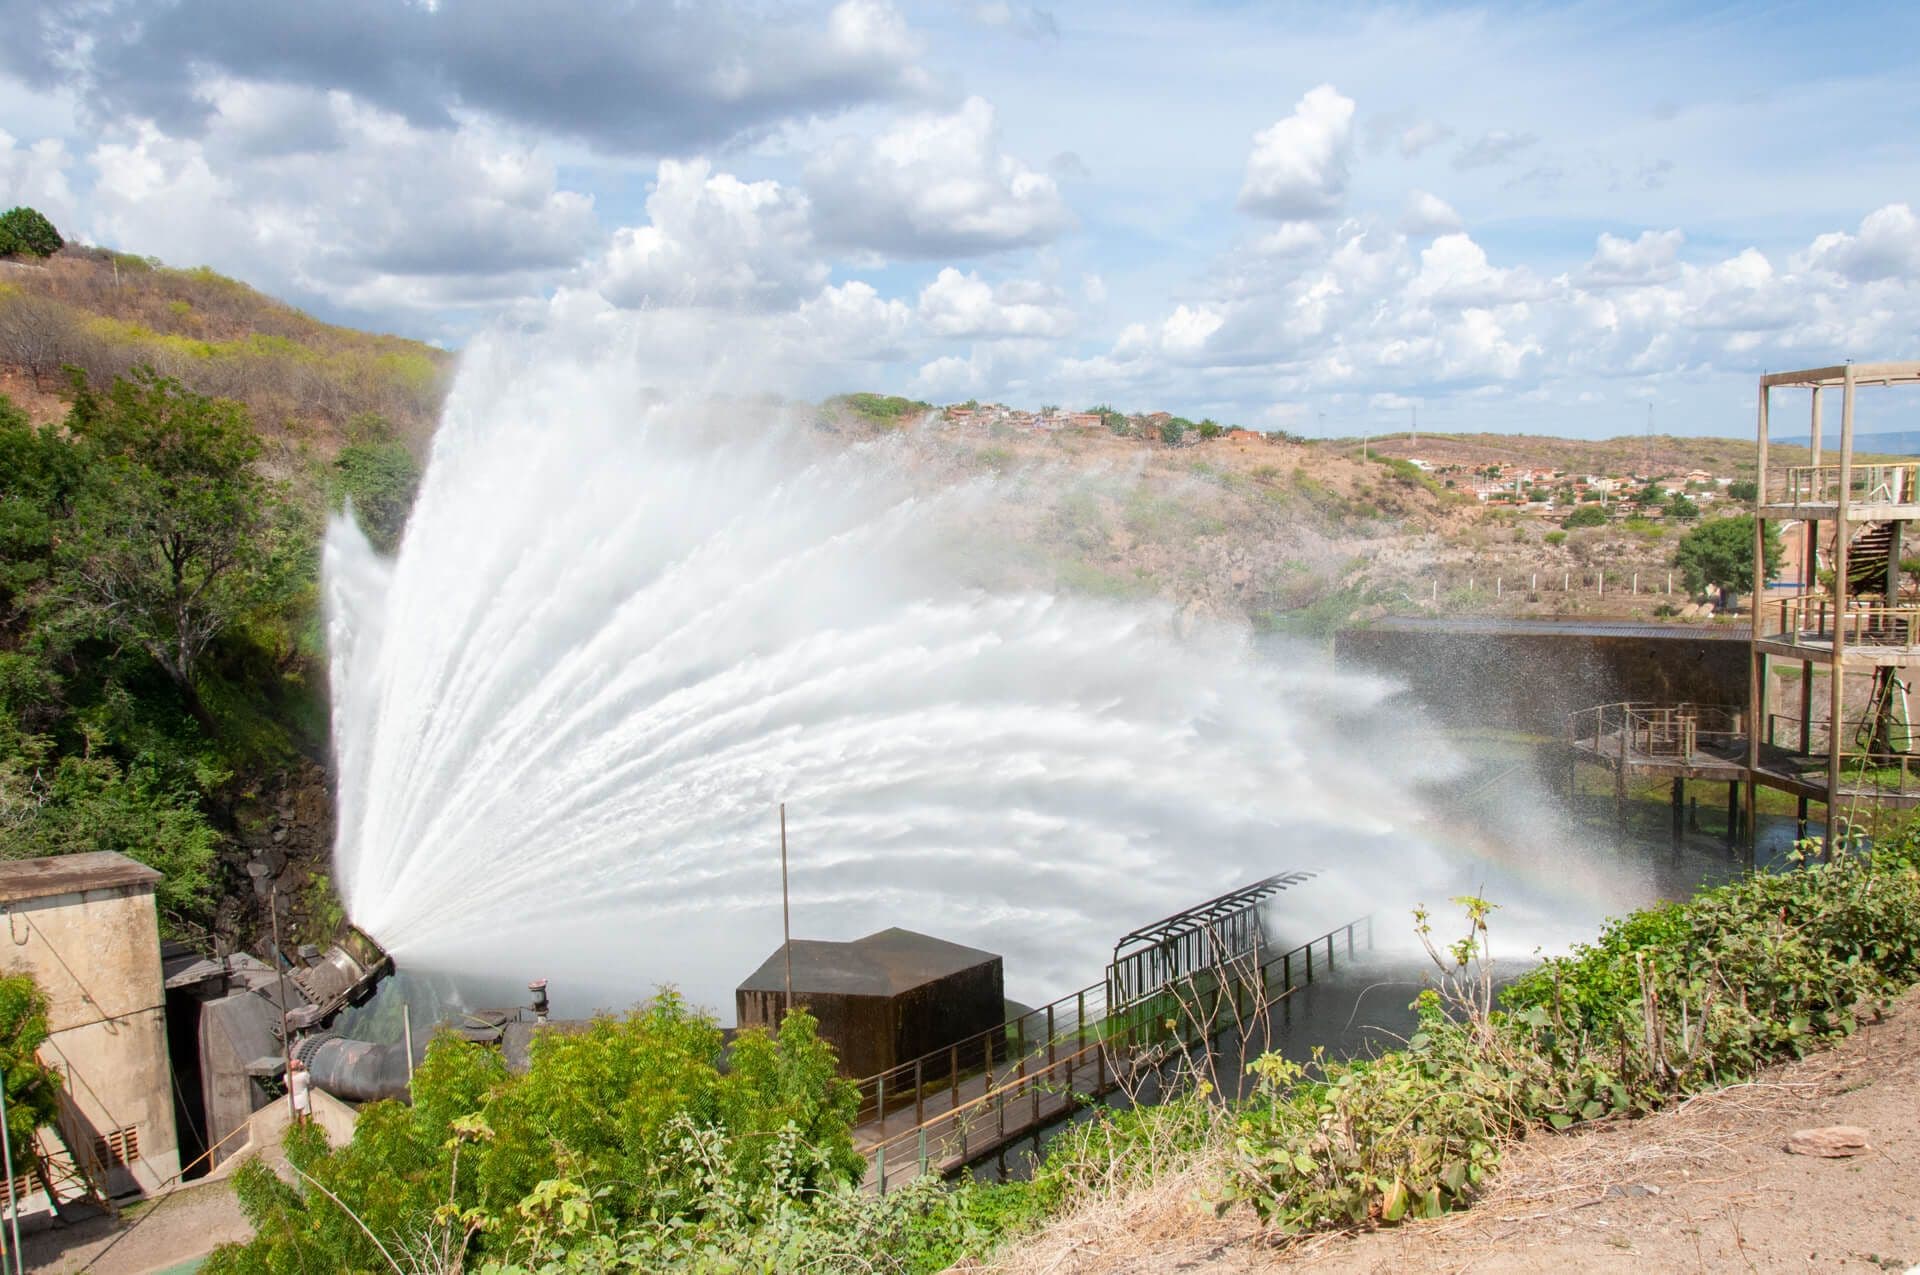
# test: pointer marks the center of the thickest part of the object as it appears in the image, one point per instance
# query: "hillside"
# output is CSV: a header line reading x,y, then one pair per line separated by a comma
x,y
302,380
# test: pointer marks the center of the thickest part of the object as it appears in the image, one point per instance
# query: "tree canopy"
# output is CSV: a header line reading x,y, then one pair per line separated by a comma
x,y
1719,554
25,232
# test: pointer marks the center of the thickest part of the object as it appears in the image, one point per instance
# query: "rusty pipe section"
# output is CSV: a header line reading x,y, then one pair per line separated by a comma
x,y
355,1070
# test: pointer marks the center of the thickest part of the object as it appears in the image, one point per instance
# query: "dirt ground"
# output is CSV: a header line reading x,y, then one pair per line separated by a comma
x,y
183,1225
1706,1186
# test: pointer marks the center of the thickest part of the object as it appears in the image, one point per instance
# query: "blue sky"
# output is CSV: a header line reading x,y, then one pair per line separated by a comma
x,y
1514,217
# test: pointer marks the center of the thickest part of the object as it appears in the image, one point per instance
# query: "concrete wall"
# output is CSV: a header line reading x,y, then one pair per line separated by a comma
x,y
96,955
1531,680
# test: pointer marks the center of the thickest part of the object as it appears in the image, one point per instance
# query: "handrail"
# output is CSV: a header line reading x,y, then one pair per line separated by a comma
x,y
1105,1044
1649,729
1892,484
1812,618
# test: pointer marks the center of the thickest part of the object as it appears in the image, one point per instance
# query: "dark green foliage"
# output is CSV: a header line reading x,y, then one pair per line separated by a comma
x,y
1682,509
1743,489
176,536
1585,516
378,477
1719,554
151,582
1208,429
25,232
1173,429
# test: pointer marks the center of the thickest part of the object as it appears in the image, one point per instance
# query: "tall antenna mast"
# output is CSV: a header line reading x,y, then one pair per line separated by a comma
x,y
1413,435
786,915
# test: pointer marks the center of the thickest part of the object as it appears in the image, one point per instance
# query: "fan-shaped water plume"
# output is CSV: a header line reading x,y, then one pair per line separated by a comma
x,y
623,627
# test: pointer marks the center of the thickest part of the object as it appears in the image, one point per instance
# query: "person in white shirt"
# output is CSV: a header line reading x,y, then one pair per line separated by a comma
x,y
300,1086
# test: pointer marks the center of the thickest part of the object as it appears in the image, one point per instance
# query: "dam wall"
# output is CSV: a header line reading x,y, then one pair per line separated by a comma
x,y
1529,674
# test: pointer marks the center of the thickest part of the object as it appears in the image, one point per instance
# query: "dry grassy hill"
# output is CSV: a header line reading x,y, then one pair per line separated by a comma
x,y
303,380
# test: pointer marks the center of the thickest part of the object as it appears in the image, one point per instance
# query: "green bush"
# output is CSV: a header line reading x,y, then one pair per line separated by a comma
x,y
1586,516
1554,538
1667,1002
25,232
627,1134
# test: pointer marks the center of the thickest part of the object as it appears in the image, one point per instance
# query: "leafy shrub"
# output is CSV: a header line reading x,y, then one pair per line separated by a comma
x,y
1554,538
625,1133
25,232
1667,1002
1586,516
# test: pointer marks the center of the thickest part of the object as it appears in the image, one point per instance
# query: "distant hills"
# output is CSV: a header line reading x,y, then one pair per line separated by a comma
x,y
1895,442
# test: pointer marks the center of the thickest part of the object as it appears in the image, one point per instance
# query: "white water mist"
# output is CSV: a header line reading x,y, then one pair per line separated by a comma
x,y
624,626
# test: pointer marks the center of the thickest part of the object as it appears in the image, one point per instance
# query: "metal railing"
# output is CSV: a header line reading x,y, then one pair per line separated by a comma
x,y
1892,770
1669,731
1820,484
1050,1073
1812,619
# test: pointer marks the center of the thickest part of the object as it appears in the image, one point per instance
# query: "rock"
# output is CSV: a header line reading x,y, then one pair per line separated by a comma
x,y
279,835
257,869
1832,1141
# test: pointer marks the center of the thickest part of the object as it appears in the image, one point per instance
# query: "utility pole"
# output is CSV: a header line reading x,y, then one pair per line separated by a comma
x,y
786,913
1413,433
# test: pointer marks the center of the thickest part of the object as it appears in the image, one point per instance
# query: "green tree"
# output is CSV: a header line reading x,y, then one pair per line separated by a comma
x,y
1586,516
1682,509
1743,489
176,536
1209,428
1173,429
1719,555
24,232
379,478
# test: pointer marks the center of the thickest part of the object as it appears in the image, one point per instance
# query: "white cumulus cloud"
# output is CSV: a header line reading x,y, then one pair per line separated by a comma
x,y
712,239
933,185
1298,166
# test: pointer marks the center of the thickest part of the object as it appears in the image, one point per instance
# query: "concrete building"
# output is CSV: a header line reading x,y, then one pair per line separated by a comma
x,y
84,926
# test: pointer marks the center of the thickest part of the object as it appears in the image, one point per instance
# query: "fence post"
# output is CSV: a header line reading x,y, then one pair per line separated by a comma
x,y
1049,1035
953,1074
919,1091
880,1154
880,1100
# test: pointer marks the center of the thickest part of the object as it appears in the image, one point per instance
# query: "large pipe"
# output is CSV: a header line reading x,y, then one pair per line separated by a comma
x,y
355,1070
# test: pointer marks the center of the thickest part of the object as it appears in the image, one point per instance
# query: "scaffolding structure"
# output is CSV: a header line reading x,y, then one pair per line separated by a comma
x,y
1848,620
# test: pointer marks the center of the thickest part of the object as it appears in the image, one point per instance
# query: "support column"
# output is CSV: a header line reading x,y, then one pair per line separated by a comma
x,y
1733,814
1836,733
1679,810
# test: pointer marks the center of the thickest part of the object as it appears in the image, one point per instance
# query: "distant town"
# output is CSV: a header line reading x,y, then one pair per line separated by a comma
x,y
1548,492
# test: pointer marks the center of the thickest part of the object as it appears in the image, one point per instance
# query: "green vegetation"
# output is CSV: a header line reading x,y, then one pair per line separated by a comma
x,y
885,410
26,233
1554,538
1744,489
378,477
1666,1003
1586,516
674,1165
32,1089
624,1142
158,597
1719,554
1682,509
